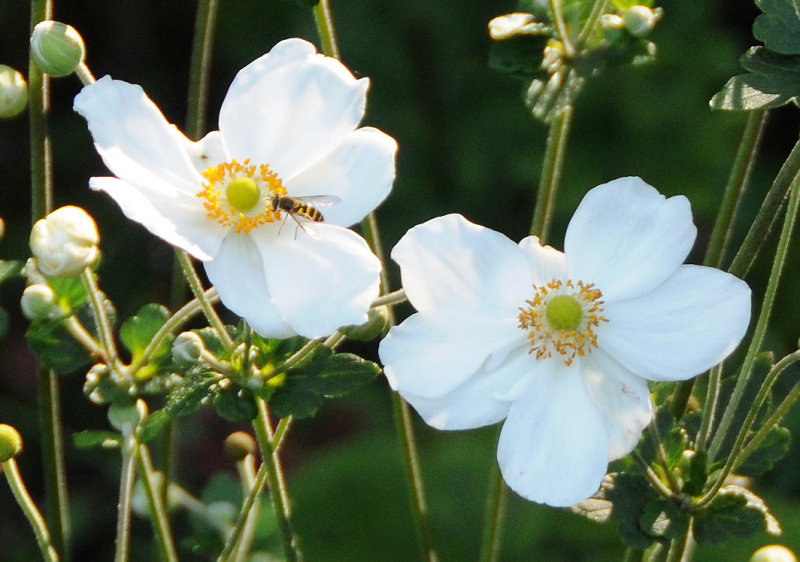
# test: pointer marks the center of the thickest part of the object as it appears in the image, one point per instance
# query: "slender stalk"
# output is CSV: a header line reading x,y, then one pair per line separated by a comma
x,y
126,480
158,512
767,215
38,108
561,27
200,67
598,9
84,74
755,344
395,297
552,167
97,300
327,34
247,477
497,497
247,505
197,289
11,470
710,408
277,486
280,432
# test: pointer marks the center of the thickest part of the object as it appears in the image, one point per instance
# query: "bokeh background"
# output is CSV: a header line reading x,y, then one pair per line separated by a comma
x,y
467,145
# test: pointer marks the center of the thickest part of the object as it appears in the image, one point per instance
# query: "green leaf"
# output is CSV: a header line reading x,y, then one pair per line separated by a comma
x,y
696,474
630,495
778,27
661,518
70,291
190,395
235,404
91,439
9,269
734,513
138,330
772,449
325,376
55,348
153,425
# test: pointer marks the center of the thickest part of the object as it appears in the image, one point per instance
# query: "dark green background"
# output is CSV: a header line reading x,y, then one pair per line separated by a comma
x,y
466,145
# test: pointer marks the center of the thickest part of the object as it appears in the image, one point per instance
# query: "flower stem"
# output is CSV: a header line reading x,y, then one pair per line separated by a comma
x,y
755,345
552,167
11,470
710,407
126,480
197,289
247,477
200,67
277,485
497,497
598,9
103,324
247,505
38,108
561,27
158,512
327,34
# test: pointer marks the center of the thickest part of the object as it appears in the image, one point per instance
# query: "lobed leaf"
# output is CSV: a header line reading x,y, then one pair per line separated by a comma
x,y
137,331
778,27
772,449
734,513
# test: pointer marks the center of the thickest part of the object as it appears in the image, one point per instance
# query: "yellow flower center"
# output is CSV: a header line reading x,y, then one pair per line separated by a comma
x,y
561,319
240,196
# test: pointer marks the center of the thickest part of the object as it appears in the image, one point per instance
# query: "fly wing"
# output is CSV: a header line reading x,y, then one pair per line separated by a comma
x,y
319,200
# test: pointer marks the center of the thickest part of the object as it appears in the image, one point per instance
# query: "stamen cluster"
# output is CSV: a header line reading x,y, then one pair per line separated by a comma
x,y
217,206
545,338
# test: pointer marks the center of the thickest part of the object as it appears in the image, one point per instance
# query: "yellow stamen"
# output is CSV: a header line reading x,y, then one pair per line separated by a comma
x,y
239,195
561,318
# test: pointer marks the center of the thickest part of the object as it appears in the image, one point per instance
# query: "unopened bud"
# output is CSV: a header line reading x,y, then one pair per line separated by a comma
x,y
65,242
238,445
38,302
511,25
377,324
187,348
640,20
10,443
57,48
13,92
773,553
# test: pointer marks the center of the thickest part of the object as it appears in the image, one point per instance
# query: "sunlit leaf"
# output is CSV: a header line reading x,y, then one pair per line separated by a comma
x,y
778,27
734,513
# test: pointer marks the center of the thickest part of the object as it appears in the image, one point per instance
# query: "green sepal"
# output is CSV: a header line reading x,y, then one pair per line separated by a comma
x,y
70,291
778,27
326,375
92,439
735,512
137,332
772,449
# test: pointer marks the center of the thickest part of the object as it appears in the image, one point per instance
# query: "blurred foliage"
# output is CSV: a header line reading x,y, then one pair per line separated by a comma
x,y
468,145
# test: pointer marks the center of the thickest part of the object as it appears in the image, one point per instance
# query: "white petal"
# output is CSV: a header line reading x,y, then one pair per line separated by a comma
x,y
207,152
137,143
319,280
627,238
238,275
451,262
621,397
197,234
479,401
682,328
290,107
553,447
546,262
430,354
359,171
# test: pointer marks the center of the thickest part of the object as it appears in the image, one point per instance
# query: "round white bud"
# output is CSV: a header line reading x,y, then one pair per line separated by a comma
x,y
13,92
773,553
57,48
65,242
38,302
640,20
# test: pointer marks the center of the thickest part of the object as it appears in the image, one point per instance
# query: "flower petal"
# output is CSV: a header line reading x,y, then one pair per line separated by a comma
x,y
685,326
321,278
627,238
553,447
238,275
478,401
197,235
290,107
137,143
451,262
546,262
359,171
621,397
430,354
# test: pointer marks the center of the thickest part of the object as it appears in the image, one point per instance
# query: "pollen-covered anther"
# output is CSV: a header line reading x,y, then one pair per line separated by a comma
x,y
561,319
238,195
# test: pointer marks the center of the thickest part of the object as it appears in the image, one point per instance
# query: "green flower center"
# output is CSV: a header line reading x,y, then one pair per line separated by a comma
x,y
561,319
242,194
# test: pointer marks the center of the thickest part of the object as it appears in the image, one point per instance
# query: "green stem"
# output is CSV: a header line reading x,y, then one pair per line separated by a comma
x,y
561,27
200,67
277,486
38,108
197,290
247,477
552,167
126,480
158,512
281,431
710,408
755,344
11,470
598,9
767,215
497,497
393,298
97,300
327,34
247,505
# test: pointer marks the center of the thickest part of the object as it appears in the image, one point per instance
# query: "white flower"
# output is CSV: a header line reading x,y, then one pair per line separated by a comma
x,y
287,130
65,242
560,345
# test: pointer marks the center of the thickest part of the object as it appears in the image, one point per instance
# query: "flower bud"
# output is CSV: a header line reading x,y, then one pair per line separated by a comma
x,y
57,48
773,553
13,92
65,242
511,25
187,348
377,324
38,302
238,445
640,20
10,443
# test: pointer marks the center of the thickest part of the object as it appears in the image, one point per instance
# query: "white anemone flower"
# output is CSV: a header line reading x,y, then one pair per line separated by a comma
x,y
244,199
559,345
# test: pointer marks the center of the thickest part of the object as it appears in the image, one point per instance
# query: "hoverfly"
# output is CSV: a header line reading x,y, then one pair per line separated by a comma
x,y
303,207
